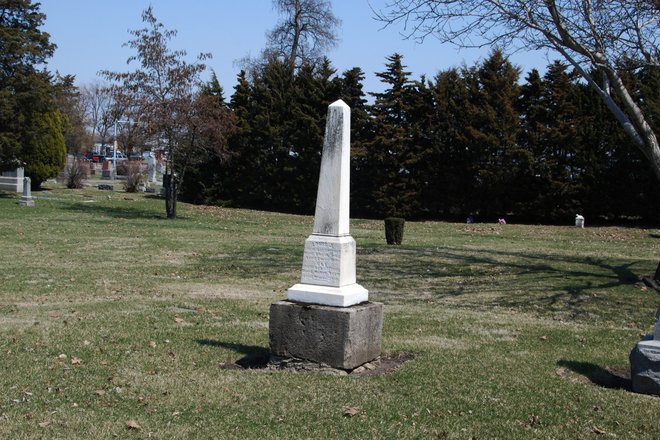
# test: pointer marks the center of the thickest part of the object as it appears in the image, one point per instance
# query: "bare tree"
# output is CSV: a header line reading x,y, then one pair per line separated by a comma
x,y
307,30
597,37
97,99
160,94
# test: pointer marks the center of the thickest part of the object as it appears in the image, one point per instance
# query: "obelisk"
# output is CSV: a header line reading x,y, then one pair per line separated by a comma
x,y
327,317
328,272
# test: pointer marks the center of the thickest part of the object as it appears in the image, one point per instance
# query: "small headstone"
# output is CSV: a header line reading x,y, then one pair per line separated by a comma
x,y
579,221
105,187
26,198
106,170
92,168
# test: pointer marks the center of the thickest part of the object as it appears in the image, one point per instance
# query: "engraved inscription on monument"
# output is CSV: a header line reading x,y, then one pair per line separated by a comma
x,y
329,263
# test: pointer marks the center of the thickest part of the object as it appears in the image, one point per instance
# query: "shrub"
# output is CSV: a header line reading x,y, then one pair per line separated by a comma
x,y
394,230
134,176
74,174
45,151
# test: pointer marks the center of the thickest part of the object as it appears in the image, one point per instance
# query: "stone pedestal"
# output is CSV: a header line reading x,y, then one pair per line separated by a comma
x,y
341,337
645,367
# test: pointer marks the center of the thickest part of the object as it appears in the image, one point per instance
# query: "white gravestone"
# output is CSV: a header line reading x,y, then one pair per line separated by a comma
x,y
26,198
328,272
151,168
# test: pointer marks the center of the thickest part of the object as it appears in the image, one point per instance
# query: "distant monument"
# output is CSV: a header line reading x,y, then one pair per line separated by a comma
x,y
645,362
327,317
26,198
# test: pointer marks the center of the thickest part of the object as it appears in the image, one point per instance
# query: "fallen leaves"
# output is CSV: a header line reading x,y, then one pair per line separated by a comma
x,y
45,424
76,361
179,320
599,431
351,411
132,424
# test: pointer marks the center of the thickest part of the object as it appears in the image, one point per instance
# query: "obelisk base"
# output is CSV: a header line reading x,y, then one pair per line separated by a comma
x,y
26,201
344,296
341,337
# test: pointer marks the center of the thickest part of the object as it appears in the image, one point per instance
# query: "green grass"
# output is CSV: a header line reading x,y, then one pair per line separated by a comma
x,y
514,327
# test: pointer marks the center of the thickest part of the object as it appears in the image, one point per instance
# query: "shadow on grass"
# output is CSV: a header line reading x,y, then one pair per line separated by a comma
x,y
6,195
255,357
509,278
120,212
613,378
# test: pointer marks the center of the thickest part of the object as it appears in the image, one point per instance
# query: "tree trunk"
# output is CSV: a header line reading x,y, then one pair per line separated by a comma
x,y
657,273
169,183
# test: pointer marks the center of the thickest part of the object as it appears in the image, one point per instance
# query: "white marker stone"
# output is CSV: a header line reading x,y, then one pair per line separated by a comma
x,y
328,273
26,198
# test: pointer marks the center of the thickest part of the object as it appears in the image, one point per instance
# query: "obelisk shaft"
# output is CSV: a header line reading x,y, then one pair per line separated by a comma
x,y
332,199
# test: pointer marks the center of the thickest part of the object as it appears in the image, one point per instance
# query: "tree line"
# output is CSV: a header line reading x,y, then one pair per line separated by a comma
x,y
471,140
474,140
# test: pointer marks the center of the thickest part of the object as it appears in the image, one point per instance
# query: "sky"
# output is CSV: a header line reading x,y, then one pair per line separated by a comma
x,y
89,35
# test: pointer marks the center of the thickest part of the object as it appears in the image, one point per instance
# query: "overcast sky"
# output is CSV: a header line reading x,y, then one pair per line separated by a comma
x,y
89,35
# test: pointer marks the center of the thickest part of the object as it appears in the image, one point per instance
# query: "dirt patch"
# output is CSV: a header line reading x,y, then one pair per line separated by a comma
x,y
383,365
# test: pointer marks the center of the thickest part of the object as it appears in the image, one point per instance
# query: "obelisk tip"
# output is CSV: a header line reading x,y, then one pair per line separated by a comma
x,y
339,103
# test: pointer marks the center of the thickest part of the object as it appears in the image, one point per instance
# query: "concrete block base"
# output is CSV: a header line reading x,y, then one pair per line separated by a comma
x,y
341,337
645,367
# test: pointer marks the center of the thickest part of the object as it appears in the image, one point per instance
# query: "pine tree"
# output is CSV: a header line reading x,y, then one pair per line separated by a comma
x,y
453,182
45,151
392,193
213,88
492,132
352,93
26,93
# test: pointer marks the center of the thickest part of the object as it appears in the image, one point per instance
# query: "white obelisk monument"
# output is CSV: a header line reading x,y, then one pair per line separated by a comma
x,y
327,317
328,272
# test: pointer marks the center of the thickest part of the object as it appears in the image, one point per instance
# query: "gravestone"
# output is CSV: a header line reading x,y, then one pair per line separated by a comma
x,y
327,317
92,168
151,168
26,198
645,362
12,180
106,170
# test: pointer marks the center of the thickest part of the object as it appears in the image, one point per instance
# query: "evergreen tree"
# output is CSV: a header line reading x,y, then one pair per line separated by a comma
x,y
45,151
452,185
213,88
492,132
25,91
387,152
352,93
422,159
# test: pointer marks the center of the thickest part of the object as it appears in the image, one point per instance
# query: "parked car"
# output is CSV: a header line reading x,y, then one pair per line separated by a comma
x,y
120,156
95,157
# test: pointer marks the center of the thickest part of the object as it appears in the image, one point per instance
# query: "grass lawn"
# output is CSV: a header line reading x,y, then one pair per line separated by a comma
x,y
114,321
